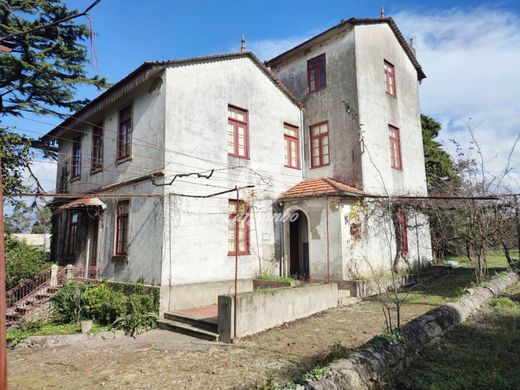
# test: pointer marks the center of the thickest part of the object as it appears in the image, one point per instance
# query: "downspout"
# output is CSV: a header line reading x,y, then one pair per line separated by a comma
x,y
302,144
281,224
328,258
417,239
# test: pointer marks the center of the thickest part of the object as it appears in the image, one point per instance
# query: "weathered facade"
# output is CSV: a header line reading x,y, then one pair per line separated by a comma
x,y
161,154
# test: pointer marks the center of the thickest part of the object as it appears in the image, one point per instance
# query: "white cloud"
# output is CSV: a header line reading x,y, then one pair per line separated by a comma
x,y
471,59
45,171
268,48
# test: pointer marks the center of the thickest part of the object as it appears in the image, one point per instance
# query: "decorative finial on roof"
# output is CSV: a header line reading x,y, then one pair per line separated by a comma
x,y
243,43
382,11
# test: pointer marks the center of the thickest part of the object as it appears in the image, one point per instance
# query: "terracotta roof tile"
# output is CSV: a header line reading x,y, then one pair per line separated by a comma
x,y
319,187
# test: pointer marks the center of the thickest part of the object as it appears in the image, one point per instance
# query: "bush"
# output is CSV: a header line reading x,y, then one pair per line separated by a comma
x,y
67,304
132,312
141,314
22,262
104,305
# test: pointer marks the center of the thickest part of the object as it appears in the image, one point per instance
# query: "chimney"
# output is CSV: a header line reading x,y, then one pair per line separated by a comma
x,y
410,45
243,43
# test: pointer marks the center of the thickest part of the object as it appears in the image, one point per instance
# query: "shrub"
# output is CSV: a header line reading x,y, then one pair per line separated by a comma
x,y
104,305
22,262
141,314
503,302
67,304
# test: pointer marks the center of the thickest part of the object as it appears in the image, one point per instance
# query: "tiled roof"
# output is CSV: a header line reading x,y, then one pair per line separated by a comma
x,y
146,70
352,22
318,187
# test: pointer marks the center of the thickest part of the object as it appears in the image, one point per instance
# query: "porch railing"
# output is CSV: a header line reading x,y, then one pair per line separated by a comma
x,y
25,290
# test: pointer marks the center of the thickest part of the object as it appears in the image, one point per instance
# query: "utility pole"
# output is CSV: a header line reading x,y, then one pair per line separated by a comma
x,y
3,302
237,231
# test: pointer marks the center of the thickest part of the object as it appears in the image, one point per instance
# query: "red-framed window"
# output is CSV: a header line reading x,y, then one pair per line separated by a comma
x,y
124,134
319,145
238,236
316,73
390,78
97,146
238,132
73,230
402,232
75,164
121,241
395,148
291,137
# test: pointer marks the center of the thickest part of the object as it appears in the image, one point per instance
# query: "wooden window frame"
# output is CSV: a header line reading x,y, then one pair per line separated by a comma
x,y
236,226
320,142
97,148
402,232
391,87
288,140
314,66
124,150
123,250
75,161
72,232
235,122
396,160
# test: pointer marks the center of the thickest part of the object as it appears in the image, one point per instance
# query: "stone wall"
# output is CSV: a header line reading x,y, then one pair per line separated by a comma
x,y
365,368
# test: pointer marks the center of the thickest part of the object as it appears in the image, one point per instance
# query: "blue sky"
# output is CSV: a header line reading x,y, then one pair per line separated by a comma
x,y
470,51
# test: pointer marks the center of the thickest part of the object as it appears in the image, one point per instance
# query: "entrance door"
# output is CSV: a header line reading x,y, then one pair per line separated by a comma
x,y
299,246
93,229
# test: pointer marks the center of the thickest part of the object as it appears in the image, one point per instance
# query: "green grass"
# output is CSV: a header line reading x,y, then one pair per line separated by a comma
x,y
495,259
452,286
270,278
483,353
15,335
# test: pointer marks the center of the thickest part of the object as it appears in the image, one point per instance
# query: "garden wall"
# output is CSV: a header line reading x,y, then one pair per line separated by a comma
x,y
365,368
263,309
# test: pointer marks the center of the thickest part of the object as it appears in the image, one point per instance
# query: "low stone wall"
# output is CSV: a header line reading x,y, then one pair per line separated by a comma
x,y
369,287
365,368
199,294
263,309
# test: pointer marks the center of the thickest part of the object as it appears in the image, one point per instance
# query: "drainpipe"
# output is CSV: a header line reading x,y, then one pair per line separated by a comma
x,y
328,258
281,228
236,269
302,144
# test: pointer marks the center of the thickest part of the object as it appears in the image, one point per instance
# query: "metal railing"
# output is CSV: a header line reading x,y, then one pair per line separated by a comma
x,y
86,273
23,291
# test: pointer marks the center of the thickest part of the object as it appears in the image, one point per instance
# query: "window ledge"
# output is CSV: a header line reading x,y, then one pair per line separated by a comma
x,y
120,258
75,178
97,170
230,254
389,94
123,160
297,168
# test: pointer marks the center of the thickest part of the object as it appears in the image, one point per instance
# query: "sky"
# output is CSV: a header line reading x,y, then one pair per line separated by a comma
x,y
469,50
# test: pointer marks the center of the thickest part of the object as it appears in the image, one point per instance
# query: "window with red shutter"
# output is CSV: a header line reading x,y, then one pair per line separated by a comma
x,y
319,135
121,241
238,133
97,147
390,78
395,148
292,146
238,237
316,73
75,164
124,139
402,232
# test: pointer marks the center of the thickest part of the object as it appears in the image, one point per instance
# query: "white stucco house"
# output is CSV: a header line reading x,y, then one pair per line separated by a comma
x,y
154,163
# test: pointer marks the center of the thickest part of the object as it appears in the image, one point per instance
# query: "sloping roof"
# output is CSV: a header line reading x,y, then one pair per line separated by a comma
x,y
352,22
83,202
319,187
145,72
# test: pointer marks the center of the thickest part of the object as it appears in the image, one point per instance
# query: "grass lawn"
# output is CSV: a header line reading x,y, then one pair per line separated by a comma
x,y
450,287
482,353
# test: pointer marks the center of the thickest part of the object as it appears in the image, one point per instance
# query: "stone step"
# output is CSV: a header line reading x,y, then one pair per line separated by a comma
x,y
42,296
344,293
348,301
52,290
187,329
200,323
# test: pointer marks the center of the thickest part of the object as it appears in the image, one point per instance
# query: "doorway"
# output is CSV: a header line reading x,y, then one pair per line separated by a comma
x,y
299,246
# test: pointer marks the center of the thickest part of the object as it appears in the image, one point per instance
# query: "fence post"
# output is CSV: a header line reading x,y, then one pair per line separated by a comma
x,y
54,276
69,272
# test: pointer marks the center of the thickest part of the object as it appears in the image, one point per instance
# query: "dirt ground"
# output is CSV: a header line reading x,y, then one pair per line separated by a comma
x,y
161,359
